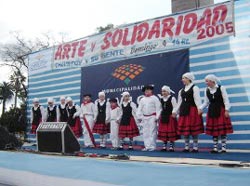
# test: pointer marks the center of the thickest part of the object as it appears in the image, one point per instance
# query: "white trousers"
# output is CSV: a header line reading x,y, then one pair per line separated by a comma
x,y
114,133
86,138
149,132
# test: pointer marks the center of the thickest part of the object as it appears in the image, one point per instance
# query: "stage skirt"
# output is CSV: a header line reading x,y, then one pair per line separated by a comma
x,y
192,124
77,128
220,125
168,131
129,130
101,128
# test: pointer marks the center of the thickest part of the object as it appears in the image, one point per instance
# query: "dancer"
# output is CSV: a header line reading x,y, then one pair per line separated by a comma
x,y
218,123
148,114
190,120
167,130
127,127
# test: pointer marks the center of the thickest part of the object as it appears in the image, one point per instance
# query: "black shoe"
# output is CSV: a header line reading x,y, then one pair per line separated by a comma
x,y
130,148
120,148
195,151
186,150
171,150
163,150
214,151
223,151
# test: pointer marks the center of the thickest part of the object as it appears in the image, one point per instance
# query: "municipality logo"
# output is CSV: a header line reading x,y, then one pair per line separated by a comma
x,y
128,72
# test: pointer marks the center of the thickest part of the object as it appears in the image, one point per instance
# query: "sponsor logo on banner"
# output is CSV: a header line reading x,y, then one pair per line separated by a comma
x,y
126,73
40,61
153,36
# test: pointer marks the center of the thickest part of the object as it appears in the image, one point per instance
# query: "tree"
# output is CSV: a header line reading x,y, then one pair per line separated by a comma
x,y
14,119
106,28
15,55
6,94
17,82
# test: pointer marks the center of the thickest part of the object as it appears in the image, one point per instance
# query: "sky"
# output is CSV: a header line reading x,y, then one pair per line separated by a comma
x,y
73,18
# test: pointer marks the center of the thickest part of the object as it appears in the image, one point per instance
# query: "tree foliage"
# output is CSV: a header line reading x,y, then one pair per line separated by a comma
x,y
14,119
18,86
5,94
105,28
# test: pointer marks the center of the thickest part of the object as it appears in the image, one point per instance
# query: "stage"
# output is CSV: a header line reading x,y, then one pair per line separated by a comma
x,y
101,167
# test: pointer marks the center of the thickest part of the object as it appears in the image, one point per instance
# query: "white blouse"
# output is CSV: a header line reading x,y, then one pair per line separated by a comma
x,y
196,95
212,91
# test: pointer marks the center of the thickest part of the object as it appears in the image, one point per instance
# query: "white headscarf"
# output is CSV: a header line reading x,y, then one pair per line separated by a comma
x,y
62,98
101,94
167,88
35,100
50,100
125,94
189,75
69,99
213,78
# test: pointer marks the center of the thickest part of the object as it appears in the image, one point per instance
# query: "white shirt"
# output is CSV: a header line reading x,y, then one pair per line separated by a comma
x,y
115,114
133,106
58,114
87,109
42,112
148,106
196,95
173,100
212,91
107,109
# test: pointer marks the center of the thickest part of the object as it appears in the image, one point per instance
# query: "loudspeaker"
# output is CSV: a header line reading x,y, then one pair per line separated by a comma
x,y
56,137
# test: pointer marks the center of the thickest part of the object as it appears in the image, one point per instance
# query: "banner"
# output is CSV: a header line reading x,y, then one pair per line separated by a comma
x,y
148,37
132,74
40,61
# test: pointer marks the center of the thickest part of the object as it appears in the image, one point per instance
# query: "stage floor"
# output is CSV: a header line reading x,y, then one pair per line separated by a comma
x,y
203,154
20,168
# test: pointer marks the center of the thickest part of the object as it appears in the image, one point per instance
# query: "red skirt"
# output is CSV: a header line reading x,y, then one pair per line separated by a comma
x,y
219,126
34,127
101,128
191,124
77,128
128,131
168,131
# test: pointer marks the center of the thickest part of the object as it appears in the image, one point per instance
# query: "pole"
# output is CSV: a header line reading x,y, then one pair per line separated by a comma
x,y
233,16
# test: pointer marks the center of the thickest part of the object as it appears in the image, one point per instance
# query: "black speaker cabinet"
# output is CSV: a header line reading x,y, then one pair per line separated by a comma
x,y
56,137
